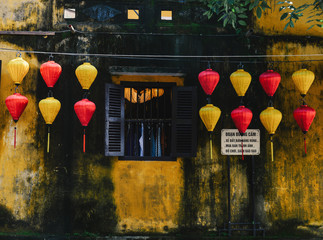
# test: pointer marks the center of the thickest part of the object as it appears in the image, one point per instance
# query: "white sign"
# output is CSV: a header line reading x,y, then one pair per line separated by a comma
x,y
231,142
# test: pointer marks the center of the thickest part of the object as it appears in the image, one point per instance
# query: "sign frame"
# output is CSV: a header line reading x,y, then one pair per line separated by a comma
x,y
231,142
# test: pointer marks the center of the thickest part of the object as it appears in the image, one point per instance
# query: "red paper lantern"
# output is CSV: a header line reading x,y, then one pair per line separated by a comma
x,y
241,117
269,81
16,104
50,72
208,80
84,110
304,117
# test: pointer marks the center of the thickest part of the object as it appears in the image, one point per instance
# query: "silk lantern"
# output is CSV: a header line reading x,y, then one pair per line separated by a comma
x,y
49,109
304,117
208,80
303,80
50,72
18,68
84,110
271,119
269,81
16,104
240,80
210,116
241,117
86,74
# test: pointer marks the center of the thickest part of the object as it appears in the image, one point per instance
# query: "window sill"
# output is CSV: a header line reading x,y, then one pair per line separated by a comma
x,y
147,158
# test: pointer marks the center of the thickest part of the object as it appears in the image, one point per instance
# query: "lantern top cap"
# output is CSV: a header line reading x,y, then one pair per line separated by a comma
x,y
87,63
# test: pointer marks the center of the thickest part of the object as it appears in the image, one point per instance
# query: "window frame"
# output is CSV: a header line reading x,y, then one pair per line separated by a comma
x,y
183,121
148,85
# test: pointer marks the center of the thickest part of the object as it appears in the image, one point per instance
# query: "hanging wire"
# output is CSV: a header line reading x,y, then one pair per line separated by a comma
x,y
240,66
270,65
51,57
18,54
166,56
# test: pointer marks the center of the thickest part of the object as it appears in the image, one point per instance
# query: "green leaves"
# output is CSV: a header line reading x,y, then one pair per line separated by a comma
x,y
283,16
259,12
242,23
293,13
234,13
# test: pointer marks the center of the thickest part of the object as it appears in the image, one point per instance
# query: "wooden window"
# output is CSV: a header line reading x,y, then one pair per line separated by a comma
x,y
150,121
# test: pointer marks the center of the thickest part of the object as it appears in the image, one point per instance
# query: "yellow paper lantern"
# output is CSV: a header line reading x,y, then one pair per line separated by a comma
x,y
49,109
18,68
210,116
271,118
240,80
86,74
303,80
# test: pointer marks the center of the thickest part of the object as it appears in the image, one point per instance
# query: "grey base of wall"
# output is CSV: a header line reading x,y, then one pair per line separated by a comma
x,y
155,237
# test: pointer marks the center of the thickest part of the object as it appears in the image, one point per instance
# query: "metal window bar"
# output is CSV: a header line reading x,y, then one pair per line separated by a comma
x,y
155,121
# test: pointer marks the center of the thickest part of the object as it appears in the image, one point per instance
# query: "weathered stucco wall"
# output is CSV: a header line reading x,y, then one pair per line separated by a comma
x,y
68,191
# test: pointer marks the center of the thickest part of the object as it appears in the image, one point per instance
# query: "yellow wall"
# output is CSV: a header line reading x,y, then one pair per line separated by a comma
x,y
295,177
162,196
270,23
22,168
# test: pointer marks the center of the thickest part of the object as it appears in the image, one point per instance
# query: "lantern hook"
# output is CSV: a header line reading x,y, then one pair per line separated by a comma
x,y
240,66
86,94
50,93
270,65
271,102
18,54
51,57
303,102
208,65
16,89
241,101
304,65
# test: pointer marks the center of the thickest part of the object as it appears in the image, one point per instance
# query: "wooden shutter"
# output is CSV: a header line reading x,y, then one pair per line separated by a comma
x,y
114,120
184,117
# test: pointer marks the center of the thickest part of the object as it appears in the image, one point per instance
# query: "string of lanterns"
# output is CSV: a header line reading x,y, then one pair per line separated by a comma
x,y
209,113
242,116
270,117
304,115
16,103
84,109
50,107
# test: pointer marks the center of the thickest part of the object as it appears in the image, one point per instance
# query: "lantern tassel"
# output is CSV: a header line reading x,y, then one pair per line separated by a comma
x,y
272,148
211,146
48,137
305,144
84,141
242,149
15,137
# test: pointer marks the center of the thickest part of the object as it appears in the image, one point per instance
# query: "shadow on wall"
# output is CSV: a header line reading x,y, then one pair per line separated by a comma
x,y
295,227
8,221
